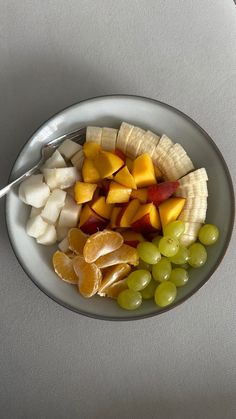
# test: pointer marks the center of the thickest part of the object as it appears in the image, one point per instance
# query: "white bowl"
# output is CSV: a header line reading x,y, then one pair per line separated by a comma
x,y
111,111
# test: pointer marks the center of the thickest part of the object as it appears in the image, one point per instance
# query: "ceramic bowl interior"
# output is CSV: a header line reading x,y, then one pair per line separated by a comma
x,y
111,111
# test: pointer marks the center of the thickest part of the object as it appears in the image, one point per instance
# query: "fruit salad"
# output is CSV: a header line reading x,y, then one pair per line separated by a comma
x,y
127,210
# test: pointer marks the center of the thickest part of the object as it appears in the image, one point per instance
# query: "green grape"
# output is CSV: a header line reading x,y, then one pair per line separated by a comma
x,y
144,265
208,234
156,240
168,246
138,279
148,252
174,229
181,256
129,299
179,277
149,291
161,270
197,255
165,294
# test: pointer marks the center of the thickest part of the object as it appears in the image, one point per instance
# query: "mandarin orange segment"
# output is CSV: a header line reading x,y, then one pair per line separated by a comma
x,y
77,240
125,254
113,274
114,290
63,267
90,276
101,243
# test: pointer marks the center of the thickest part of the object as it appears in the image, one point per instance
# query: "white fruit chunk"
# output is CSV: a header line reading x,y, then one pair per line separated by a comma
x,y
68,148
61,232
36,226
49,237
61,178
78,159
55,161
69,216
35,211
33,191
64,245
53,206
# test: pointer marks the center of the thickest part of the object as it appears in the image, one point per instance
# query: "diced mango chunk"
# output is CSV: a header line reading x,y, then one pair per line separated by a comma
x,y
89,172
118,193
91,149
140,194
170,209
101,207
143,171
107,163
125,178
84,192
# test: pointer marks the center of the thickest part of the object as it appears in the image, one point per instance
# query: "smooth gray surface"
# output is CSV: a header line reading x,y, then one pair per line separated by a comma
x,y
54,363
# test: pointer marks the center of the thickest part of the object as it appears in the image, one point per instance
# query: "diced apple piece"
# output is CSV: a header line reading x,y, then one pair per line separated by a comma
x,y
132,238
140,194
36,226
89,172
146,219
54,162
68,148
70,212
61,232
114,214
107,163
64,245
49,237
33,191
78,159
143,171
118,193
90,222
127,213
84,192
35,211
102,208
161,192
91,149
62,178
125,178
170,209
53,206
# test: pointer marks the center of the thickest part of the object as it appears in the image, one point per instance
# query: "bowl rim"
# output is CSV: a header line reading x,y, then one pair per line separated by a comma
x,y
224,248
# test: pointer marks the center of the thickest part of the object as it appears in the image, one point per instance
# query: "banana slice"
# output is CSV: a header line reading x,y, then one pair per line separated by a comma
x,y
192,189
198,202
161,151
192,228
94,134
177,151
199,175
179,167
134,142
109,136
197,215
148,143
187,239
123,136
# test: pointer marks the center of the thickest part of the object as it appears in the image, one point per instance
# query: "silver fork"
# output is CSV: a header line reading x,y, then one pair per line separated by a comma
x,y
46,152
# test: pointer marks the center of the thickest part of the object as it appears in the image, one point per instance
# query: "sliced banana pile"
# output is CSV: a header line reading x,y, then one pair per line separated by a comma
x,y
170,158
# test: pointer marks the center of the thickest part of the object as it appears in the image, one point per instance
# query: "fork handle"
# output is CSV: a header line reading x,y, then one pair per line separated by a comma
x,y
15,182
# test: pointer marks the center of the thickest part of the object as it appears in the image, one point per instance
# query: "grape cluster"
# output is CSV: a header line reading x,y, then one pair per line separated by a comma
x,y
164,264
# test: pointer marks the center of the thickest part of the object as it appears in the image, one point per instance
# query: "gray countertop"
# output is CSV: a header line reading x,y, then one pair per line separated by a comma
x,y
55,363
